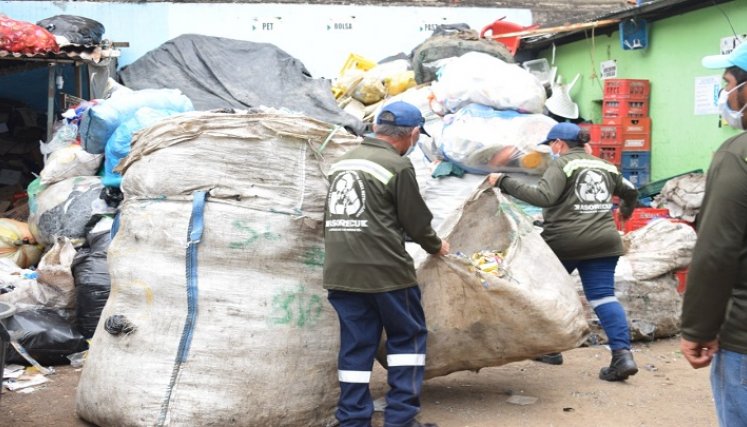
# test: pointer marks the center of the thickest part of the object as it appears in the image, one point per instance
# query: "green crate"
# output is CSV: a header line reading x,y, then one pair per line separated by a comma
x,y
653,188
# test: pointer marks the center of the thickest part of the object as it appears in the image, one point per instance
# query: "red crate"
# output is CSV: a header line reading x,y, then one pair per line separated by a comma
x,y
626,89
637,108
636,142
636,131
641,217
611,153
606,134
681,280
630,124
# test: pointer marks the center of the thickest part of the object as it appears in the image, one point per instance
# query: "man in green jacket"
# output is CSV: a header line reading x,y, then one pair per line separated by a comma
x,y
714,310
372,203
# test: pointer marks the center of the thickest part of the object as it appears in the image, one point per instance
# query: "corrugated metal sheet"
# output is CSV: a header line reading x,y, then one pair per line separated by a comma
x,y
12,62
649,10
94,54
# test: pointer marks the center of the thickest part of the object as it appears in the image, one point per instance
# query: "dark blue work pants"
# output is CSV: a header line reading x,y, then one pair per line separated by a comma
x,y
598,280
362,317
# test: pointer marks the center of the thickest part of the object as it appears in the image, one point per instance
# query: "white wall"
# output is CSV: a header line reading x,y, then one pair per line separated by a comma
x,y
321,36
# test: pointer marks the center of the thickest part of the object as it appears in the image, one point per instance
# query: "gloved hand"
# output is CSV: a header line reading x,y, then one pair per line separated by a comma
x,y
495,178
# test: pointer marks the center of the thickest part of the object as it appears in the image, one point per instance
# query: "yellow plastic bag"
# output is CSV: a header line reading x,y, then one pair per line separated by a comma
x,y
17,243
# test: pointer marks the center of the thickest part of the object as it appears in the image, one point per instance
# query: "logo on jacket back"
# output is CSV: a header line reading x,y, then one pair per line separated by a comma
x,y
592,190
347,198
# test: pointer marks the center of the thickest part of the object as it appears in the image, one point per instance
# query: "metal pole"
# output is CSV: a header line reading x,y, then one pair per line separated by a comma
x,y
78,80
50,99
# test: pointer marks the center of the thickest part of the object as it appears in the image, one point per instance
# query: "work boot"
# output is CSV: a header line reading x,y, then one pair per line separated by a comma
x,y
621,367
550,358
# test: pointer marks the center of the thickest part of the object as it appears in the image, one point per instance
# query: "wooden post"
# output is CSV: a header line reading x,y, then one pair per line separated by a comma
x,y
78,80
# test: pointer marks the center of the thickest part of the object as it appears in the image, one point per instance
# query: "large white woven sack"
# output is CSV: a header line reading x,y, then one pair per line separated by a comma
x,y
661,246
652,306
264,342
475,319
479,78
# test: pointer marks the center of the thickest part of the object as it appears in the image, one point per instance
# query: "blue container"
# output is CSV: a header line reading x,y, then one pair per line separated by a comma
x,y
636,160
637,177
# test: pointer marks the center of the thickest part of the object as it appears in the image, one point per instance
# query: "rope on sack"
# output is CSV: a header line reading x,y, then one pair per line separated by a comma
x,y
196,227
329,138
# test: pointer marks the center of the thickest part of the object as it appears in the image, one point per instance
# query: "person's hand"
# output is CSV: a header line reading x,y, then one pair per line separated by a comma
x,y
444,248
494,178
699,355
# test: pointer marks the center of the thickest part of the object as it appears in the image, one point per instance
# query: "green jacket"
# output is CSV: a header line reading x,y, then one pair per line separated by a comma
x,y
576,196
715,304
373,200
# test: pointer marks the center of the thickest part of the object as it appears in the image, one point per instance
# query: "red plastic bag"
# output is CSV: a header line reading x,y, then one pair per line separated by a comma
x,y
25,37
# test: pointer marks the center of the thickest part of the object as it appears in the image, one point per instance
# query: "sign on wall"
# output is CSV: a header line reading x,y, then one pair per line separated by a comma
x,y
706,95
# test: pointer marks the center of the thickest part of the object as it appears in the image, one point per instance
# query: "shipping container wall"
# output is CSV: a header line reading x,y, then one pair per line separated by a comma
x,y
685,127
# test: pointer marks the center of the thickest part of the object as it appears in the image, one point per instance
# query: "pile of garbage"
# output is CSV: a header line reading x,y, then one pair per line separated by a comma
x,y
483,112
682,196
54,266
208,224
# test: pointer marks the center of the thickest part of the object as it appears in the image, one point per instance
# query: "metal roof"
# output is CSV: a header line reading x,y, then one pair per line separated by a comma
x,y
13,62
651,11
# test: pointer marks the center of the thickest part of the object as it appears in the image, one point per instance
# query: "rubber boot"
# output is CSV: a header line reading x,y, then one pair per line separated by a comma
x,y
621,367
550,358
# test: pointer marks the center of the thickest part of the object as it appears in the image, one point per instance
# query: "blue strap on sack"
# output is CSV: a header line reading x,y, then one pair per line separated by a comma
x,y
194,234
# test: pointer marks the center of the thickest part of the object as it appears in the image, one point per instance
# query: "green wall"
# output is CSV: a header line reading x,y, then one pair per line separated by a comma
x,y
681,141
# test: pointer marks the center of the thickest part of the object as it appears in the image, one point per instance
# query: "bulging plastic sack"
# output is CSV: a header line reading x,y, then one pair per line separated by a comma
x,y
63,137
483,79
63,209
483,140
70,162
25,38
71,29
100,121
18,244
92,282
118,146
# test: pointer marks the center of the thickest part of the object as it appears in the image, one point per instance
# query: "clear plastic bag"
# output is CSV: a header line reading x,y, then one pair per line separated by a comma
x,y
482,140
63,137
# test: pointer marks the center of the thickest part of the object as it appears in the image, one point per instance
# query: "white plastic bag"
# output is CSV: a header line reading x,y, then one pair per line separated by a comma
x,y
483,79
69,162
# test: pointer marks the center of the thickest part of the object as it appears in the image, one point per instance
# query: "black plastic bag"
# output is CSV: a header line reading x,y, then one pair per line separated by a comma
x,y
77,29
92,282
452,40
45,335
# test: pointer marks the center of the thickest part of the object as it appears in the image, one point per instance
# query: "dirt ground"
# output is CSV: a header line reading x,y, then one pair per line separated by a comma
x,y
666,392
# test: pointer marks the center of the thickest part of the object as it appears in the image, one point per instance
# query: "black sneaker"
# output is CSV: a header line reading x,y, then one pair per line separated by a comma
x,y
418,424
621,367
550,358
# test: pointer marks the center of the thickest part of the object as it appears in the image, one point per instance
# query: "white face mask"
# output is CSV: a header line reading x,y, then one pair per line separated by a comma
x,y
553,154
733,118
411,148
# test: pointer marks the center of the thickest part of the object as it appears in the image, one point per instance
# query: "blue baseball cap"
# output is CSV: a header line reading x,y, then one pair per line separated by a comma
x,y
737,58
401,113
565,131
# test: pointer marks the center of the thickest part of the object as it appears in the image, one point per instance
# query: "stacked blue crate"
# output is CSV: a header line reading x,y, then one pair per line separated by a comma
x,y
636,167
